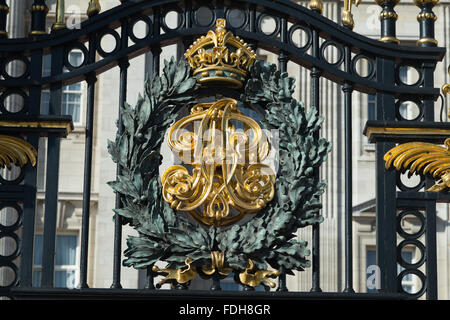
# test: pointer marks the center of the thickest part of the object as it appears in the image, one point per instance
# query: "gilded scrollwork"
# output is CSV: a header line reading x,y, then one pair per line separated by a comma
x,y
226,165
422,158
254,278
16,151
347,15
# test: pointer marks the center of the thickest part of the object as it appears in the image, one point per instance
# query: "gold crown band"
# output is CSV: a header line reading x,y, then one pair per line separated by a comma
x,y
388,15
428,15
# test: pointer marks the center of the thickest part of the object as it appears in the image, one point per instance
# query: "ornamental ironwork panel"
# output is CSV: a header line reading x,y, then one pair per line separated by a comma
x,y
217,212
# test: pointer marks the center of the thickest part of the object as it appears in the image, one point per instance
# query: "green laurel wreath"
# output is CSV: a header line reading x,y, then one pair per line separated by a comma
x,y
269,237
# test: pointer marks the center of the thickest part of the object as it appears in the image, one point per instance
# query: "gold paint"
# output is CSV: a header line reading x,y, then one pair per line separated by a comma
x,y
221,51
405,131
422,158
226,165
421,2
446,89
255,279
94,8
316,5
347,16
39,8
60,16
17,151
217,263
37,124
37,33
4,8
388,15
380,2
427,15
427,40
390,39
179,275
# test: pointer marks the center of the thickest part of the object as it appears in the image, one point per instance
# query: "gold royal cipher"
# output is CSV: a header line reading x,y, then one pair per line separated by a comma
x,y
222,177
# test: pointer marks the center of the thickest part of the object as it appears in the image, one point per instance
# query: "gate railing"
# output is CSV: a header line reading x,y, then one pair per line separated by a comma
x,y
384,58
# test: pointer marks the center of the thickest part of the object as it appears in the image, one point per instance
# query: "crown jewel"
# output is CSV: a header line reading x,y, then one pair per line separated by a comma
x,y
220,58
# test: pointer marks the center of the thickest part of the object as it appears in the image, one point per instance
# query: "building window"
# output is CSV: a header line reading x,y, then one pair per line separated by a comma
x,y
408,283
72,94
66,271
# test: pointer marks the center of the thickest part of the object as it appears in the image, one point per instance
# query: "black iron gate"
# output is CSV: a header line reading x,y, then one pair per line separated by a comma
x,y
384,59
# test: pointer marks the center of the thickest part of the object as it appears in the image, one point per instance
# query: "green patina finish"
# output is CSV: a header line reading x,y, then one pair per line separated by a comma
x,y
269,237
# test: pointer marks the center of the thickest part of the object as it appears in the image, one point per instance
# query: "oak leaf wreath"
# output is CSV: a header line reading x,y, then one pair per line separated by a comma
x,y
268,238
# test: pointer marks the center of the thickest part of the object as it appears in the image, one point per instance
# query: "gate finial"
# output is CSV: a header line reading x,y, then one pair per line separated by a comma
x,y
39,11
388,19
347,16
426,19
94,8
316,5
60,18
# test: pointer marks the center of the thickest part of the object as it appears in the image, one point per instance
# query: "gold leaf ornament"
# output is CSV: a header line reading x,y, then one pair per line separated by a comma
x,y
422,158
181,275
16,151
255,279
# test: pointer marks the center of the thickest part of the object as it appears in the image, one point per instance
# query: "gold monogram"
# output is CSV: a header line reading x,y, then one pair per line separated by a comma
x,y
225,163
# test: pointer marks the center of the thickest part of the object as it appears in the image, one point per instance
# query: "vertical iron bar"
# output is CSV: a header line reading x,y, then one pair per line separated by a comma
x,y
219,9
347,88
26,258
388,19
386,202
215,283
91,80
123,65
315,90
156,52
51,185
283,59
431,254
39,12
252,26
426,19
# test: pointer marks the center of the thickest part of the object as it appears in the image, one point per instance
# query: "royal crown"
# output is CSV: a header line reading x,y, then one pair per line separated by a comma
x,y
220,58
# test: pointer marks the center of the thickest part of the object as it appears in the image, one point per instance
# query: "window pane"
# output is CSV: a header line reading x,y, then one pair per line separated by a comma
x,y
73,87
45,101
65,279
46,65
38,250
66,250
75,58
